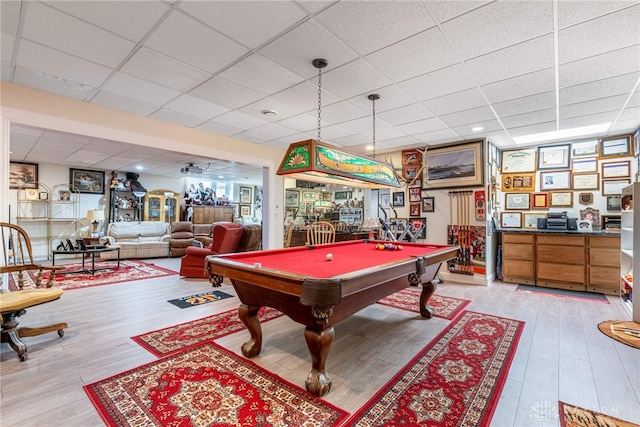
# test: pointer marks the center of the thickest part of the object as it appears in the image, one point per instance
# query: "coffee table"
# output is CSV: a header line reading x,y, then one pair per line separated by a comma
x,y
92,253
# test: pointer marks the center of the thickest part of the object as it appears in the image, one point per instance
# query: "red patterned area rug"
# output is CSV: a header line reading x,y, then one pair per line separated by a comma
x,y
207,386
456,380
192,334
128,271
408,299
574,416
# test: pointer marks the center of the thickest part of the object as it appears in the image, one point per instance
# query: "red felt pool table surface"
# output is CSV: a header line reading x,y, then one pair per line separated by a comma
x,y
348,257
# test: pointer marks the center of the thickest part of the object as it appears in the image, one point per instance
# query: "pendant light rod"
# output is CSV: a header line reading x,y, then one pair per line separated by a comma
x,y
319,63
373,98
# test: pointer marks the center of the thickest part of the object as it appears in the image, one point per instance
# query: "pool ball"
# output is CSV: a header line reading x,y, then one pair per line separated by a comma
x,y
329,257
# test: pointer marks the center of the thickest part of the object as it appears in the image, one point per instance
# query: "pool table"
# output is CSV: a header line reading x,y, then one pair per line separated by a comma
x,y
318,292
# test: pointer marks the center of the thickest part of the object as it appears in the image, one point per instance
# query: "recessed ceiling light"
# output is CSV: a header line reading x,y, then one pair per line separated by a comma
x,y
269,112
220,176
139,168
562,134
477,128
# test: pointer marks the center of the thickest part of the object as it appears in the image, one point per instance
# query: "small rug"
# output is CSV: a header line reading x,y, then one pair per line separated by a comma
x,y
207,386
443,307
627,332
128,271
192,334
564,293
199,299
456,380
574,416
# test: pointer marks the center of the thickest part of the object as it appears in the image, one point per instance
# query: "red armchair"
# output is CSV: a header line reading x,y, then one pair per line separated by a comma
x,y
226,237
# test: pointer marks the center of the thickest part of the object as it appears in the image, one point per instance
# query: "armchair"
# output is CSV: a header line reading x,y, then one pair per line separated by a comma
x,y
17,258
226,237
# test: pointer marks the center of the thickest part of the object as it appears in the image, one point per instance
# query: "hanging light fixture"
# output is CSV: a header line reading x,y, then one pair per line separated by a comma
x,y
313,160
373,98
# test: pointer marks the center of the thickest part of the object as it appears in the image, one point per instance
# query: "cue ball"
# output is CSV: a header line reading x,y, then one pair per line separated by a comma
x,y
329,257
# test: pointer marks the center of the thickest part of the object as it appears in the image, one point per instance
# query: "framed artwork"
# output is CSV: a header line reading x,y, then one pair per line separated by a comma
x,y
23,175
636,143
414,209
409,173
343,195
614,187
615,146
64,195
87,181
585,198
554,157
586,181
419,224
616,169
530,219
540,201
613,203
291,198
519,161
428,204
245,210
326,197
415,193
558,199
411,158
460,165
592,215
555,180
309,196
245,195
584,165
384,201
519,182
517,201
398,198
584,148
511,219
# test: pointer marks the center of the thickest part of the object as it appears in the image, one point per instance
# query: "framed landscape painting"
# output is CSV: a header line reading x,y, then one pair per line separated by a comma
x,y
23,175
87,181
460,165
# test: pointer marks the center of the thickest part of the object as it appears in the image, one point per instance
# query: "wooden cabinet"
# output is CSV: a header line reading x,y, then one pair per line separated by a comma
x,y
161,205
518,259
561,261
604,264
211,214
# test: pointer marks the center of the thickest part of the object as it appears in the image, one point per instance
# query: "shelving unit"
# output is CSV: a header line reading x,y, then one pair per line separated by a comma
x,y
629,243
351,216
159,207
124,205
48,214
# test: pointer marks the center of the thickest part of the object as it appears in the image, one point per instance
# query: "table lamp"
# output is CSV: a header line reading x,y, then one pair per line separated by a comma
x,y
370,223
95,216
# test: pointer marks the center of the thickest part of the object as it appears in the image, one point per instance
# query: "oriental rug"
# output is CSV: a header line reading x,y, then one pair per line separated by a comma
x,y
626,332
199,299
194,333
128,271
564,293
456,380
443,307
207,386
574,416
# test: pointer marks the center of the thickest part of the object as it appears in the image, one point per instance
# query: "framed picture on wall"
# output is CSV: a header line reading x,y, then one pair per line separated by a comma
x,y
421,225
561,199
245,210
460,165
554,157
291,198
540,201
245,194
23,175
530,219
615,146
555,180
414,209
87,181
616,169
384,201
517,201
411,157
519,161
511,219
428,204
584,148
415,193
398,198
519,182
586,181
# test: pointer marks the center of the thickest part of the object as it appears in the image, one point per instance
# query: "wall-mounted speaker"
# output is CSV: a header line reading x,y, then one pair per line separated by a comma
x,y
572,223
542,223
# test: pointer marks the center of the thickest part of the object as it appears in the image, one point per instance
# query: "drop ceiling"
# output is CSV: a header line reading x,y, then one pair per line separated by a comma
x,y
441,68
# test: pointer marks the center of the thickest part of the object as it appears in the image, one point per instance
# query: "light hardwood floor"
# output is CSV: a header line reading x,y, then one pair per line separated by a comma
x,y
561,355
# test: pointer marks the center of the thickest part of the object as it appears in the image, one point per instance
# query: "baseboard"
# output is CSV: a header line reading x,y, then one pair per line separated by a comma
x,y
475,279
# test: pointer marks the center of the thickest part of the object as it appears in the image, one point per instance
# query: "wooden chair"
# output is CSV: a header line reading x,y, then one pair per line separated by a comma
x,y
321,232
289,234
17,258
341,226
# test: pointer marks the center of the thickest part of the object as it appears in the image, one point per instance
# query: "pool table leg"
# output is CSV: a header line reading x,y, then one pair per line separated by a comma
x,y
249,316
428,289
319,343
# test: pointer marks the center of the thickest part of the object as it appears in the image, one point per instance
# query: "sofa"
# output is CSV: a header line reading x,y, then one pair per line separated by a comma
x,y
144,239
228,237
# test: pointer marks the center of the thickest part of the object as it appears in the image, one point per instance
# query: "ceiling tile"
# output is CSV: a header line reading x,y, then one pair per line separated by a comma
x,y
342,112
304,97
271,131
80,39
528,119
533,129
240,120
365,25
429,51
130,19
487,125
575,12
409,113
532,55
498,25
390,97
465,117
599,89
6,71
364,126
349,140
304,123
59,64
624,126
155,67
296,49
122,103
48,83
177,117
438,136
6,47
422,126
612,103
333,132
260,75
356,78
463,100
438,83
521,86
195,107
138,89
446,10
219,128
9,17
188,41
251,23
591,119
225,93
527,104
283,111
597,36
610,64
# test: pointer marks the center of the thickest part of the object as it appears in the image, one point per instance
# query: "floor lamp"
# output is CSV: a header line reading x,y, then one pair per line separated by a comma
x,y
169,204
139,195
